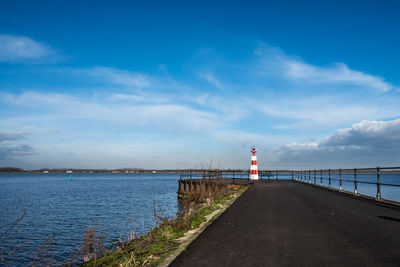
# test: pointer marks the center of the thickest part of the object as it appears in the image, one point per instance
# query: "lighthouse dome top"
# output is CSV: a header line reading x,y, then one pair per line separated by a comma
x,y
253,149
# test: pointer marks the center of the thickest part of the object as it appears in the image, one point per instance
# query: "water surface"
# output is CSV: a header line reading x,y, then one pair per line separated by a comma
x,y
56,205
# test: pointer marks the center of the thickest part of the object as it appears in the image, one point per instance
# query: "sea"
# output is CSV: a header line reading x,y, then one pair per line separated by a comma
x,y
55,209
58,207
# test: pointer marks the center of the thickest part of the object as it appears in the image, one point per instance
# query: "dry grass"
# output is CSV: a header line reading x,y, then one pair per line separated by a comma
x,y
43,256
8,234
93,244
152,248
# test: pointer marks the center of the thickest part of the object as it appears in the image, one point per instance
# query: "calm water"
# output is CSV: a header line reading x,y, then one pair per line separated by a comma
x,y
116,203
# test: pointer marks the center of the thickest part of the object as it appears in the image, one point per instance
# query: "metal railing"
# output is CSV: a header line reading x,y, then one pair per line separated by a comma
x,y
230,174
372,176
340,179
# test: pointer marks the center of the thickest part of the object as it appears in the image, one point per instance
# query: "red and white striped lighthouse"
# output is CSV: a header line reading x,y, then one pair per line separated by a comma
x,y
253,166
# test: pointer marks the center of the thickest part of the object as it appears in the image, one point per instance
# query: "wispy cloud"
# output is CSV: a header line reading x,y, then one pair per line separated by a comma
x,y
212,80
325,111
304,96
275,61
118,77
131,114
339,73
26,50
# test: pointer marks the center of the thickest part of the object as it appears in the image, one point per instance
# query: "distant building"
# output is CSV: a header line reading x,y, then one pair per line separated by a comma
x,y
68,171
154,171
45,171
115,171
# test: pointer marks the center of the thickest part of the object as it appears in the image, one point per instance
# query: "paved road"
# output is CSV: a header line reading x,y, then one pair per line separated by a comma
x,y
286,223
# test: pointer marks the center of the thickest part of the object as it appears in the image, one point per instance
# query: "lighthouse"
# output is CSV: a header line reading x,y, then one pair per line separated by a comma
x,y
253,166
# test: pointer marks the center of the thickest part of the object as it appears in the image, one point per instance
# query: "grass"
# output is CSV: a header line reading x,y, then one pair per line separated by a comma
x,y
153,248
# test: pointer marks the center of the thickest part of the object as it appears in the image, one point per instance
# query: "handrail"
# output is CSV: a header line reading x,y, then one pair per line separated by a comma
x,y
306,176
357,173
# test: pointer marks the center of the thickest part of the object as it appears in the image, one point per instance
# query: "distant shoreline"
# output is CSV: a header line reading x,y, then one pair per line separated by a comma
x,y
152,171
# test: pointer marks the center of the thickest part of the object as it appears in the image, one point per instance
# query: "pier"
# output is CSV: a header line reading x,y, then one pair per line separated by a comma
x,y
295,222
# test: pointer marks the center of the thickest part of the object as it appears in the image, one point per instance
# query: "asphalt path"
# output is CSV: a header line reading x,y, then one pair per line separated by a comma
x,y
286,223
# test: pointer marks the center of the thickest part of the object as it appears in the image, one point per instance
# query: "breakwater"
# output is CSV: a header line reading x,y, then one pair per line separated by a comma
x,y
376,182
287,223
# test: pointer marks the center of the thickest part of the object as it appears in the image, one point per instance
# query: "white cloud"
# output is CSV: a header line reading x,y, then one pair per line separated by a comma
x,y
24,49
120,77
367,134
340,73
212,80
365,144
55,107
275,61
324,112
247,138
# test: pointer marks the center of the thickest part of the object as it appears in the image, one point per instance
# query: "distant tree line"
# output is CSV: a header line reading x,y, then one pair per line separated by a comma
x,y
11,169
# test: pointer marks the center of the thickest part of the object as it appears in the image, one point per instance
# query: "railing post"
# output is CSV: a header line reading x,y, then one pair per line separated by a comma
x,y
276,177
315,176
378,183
322,183
330,185
355,182
340,180
233,177
309,176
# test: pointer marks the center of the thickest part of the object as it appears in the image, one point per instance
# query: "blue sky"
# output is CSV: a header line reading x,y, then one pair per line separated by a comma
x,y
180,84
